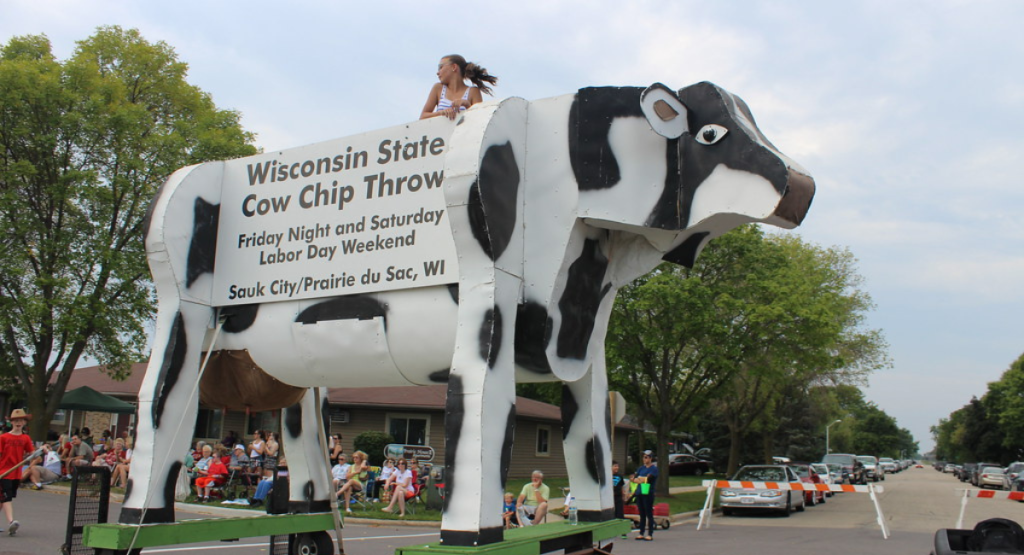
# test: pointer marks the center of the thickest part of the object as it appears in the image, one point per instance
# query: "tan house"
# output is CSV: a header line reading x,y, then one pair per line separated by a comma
x,y
412,415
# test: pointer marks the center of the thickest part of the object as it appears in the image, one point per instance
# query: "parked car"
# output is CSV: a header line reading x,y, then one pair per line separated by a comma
x,y
888,465
975,478
967,470
994,477
809,476
871,470
680,464
853,469
743,499
1014,471
828,475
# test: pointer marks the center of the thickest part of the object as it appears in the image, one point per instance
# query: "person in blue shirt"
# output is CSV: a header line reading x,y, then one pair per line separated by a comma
x,y
508,511
646,478
617,482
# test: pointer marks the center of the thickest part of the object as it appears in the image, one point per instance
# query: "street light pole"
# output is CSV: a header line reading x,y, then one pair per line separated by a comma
x,y
827,451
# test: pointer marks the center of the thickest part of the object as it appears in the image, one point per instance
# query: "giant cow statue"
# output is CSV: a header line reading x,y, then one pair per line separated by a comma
x,y
552,205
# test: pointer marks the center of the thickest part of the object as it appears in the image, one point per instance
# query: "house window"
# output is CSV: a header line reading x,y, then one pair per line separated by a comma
x,y
409,429
266,421
543,441
59,417
208,423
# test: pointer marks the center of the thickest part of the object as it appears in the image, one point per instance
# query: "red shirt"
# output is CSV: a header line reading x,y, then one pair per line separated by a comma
x,y
217,470
13,450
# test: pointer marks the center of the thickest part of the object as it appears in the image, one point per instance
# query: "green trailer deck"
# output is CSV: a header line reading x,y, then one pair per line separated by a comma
x,y
119,537
533,540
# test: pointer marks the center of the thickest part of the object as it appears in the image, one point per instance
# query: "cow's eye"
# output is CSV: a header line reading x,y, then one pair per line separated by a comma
x,y
711,134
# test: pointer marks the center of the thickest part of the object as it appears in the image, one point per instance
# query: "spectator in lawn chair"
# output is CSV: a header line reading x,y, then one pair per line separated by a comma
x,y
239,461
43,470
339,473
404,488
356,477
124,461
81,454
387,472
216,475
532,504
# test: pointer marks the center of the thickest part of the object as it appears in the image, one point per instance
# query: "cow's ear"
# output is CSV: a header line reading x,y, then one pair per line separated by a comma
x,y
664,111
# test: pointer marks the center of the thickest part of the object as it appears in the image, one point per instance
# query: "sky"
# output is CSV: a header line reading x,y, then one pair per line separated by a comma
x,y
909,115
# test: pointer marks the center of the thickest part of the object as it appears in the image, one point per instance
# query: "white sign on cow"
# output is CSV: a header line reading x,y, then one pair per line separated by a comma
x,y
353,215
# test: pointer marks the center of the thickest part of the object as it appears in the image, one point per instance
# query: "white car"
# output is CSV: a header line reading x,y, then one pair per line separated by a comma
x,y
827,477
888,465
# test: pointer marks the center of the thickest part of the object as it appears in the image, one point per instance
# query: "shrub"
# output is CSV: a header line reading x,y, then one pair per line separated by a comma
x,y
373,443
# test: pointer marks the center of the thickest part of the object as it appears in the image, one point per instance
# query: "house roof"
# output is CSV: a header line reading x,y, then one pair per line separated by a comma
x,y
427,397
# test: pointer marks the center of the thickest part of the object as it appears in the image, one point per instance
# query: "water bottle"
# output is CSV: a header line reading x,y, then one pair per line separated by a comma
x,y
573,512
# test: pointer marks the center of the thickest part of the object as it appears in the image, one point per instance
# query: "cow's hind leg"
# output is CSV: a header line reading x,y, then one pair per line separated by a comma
x,y
586,428
308,473
168,404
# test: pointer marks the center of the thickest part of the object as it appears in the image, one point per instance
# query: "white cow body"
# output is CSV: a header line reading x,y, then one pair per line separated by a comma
x,y
552,205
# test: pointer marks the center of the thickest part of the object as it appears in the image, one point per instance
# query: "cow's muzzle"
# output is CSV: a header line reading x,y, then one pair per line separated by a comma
x,y
797,200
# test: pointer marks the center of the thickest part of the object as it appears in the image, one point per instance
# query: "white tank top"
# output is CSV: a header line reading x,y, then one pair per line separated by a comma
x,y
444,103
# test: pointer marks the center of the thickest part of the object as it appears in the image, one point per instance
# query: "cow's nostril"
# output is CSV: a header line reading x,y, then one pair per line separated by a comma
x,y
664,111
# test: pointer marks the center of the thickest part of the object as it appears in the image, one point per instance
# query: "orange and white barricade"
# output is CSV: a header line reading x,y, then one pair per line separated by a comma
x,y
985,494
870,489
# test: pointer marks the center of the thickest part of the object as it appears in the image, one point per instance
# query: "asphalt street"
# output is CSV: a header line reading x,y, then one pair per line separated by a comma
x,y
915,504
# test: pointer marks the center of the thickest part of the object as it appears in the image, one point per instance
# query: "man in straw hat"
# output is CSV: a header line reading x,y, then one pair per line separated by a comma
x,y
15,446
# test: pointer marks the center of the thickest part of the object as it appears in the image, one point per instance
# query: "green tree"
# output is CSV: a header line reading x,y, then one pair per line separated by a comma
x,y
84,144
809,332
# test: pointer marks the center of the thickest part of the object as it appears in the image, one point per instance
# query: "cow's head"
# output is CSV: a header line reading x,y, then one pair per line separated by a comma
x,y
680,167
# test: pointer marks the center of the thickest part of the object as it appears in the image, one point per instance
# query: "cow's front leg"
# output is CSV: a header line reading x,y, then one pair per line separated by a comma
x,y
168,403
586,429
309,484
480,419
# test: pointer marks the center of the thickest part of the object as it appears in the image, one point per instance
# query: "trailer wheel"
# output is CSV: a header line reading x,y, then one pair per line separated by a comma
x,y
665,524
313,543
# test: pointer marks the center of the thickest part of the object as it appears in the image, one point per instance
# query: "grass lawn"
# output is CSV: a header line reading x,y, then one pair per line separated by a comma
x,y
678,503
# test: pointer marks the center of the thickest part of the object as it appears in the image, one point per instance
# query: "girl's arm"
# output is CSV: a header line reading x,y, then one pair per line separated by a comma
x,y
432,99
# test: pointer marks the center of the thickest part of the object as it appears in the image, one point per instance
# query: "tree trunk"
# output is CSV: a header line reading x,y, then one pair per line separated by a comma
x,y
734,450
768,445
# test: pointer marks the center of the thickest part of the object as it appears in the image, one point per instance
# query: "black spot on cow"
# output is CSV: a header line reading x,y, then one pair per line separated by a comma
x,y
490,336
440,376
293,420
455,412
533,334
352,307
590,120
325,416
492,200
239,317
596,465
670,212
686,253
584,291
506,446
170,369
202,252
569,409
